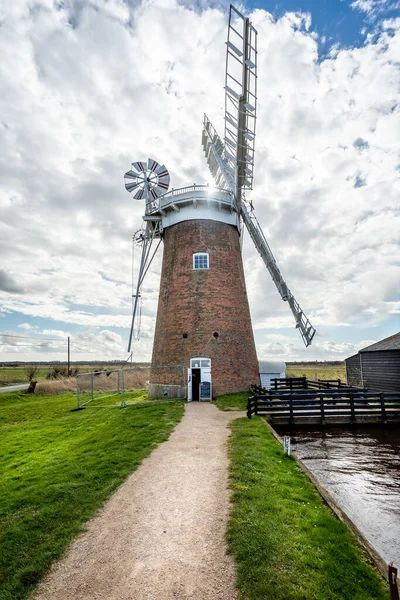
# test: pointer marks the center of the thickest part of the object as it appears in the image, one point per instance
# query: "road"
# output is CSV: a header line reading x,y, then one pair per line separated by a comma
x,y
14,388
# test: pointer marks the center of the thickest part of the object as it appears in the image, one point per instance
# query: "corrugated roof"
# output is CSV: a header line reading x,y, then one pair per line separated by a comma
x,y
271,366
389,343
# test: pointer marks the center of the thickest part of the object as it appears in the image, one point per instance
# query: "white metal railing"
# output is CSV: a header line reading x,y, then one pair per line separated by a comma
x,y
199,192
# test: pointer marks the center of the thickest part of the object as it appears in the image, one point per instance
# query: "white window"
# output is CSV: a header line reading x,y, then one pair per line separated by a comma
x,y
200,260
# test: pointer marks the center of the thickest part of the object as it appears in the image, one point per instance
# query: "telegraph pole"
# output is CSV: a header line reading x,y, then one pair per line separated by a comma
x,y
69,357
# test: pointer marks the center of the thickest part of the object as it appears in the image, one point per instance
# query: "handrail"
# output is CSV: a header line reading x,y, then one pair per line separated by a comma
x,y
168,198
194,187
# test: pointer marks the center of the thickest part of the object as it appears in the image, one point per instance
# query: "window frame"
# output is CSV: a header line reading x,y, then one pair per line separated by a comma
x,y
201,254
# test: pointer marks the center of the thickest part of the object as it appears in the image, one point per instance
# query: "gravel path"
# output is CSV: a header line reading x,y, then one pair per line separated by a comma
x,y
161,535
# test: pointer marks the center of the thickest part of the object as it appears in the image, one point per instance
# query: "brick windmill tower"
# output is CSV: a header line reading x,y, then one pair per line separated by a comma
x,y
204,344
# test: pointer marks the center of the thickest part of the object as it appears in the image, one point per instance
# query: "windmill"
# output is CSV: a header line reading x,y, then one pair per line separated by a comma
x,y
203,335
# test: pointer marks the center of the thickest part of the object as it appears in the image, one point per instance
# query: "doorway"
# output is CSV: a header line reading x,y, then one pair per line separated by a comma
x,y
199,380
196,380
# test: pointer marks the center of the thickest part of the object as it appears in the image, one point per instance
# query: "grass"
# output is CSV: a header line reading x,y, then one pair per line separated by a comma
x,y
58,467
10,375
287,543
236,401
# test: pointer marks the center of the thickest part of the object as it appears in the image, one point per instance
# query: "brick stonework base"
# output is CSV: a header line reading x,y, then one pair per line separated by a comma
x,y
201,303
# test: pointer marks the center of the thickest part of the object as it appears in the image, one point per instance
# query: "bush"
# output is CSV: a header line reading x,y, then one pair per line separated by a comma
x,y
61,371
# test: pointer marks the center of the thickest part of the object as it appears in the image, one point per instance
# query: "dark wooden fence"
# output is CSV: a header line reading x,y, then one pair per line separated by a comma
x,y
301,383
295,383
300,405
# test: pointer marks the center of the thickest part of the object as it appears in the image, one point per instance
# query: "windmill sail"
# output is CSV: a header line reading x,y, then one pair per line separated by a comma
x,y
215,152
307,331
231,160
240,100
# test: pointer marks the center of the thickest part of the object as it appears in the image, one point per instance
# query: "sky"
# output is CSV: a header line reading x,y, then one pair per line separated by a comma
x,y
88,87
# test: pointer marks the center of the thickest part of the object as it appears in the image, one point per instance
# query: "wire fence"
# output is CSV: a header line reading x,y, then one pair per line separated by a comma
x,y
105,388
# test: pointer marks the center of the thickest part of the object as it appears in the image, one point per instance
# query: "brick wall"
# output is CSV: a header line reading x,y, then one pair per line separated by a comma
x,y
201,302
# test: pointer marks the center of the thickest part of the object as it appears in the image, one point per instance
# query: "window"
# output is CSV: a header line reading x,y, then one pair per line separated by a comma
x,y
200,260
197,363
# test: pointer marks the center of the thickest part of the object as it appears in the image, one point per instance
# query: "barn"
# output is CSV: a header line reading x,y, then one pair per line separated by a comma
x,y
376,367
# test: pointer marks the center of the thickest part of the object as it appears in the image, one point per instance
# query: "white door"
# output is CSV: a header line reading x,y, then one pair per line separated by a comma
x,y
189,394
205,390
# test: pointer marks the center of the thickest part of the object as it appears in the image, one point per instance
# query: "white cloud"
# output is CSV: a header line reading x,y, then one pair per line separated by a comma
x,y
26,326
126,81
372,8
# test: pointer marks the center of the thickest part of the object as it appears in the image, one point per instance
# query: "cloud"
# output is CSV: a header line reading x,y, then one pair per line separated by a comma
x,y
26,326
9,284
373,8
325,350
126,81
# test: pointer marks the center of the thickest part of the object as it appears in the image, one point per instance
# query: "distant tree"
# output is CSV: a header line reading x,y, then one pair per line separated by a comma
x,y
60,371
31,371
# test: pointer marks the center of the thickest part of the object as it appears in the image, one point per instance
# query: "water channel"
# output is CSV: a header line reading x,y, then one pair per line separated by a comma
x,y
360,468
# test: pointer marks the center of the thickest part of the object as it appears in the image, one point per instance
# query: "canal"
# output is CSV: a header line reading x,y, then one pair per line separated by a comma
x,y
360,468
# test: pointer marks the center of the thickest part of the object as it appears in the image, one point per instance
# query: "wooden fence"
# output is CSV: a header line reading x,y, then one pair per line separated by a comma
x,y
304,383
329,405
301,383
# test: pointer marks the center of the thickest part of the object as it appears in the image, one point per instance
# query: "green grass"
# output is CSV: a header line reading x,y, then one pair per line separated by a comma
x,y
58,467
10,375
237,401
287,543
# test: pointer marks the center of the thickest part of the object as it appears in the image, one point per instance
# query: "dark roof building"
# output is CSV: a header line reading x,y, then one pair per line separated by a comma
x,y
376,367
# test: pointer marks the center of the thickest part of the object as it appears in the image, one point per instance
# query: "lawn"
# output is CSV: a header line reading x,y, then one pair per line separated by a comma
x,y
236,401
287,543
10,375
58,467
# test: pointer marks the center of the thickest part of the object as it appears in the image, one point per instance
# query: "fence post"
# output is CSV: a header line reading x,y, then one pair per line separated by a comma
x,y
352,411
383,408
121,384
321,400
92,384
78,403
394,591
291,409
249,408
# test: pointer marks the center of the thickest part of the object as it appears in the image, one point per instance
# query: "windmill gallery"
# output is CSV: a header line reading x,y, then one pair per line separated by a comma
x,y
204,344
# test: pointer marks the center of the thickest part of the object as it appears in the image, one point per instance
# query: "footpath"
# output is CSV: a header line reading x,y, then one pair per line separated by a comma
x,y
161,535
